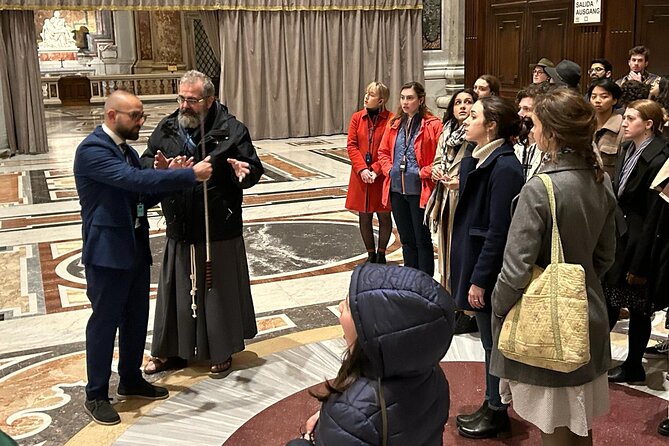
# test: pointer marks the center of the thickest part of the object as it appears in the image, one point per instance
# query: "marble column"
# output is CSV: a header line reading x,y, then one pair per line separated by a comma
x,y
4,142
124,35
444,68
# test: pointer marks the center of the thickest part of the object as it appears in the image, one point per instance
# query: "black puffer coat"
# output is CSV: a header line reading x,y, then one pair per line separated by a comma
x,y
404,322
225,137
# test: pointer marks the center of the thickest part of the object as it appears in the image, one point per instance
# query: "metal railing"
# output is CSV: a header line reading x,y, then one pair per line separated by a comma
x,y
155,84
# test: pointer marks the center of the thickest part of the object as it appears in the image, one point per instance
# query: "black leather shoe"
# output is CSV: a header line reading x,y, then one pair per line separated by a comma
x,y
622,374
663,428
144,390
470,417
465,324
102,412
492,423
371,257
381,258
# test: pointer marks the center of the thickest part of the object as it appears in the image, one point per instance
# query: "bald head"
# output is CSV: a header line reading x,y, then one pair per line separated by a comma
x,y
124,114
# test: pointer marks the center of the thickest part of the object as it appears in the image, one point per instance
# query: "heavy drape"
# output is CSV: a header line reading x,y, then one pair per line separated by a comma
x,y
250,5
289,74
20,77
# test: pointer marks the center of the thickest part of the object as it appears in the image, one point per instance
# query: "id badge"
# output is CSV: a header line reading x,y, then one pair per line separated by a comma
x,y
403,164
368,158
140,210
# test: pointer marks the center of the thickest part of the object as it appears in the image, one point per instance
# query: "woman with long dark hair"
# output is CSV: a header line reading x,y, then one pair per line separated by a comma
x,y
562,405
365,186
451,148
489,180
406,154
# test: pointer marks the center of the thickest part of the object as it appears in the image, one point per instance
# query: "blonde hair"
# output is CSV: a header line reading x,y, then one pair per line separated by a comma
x,y
379,89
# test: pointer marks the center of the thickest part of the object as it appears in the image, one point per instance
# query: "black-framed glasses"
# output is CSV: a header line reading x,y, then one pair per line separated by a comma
x,y
190,101
135,115
596,70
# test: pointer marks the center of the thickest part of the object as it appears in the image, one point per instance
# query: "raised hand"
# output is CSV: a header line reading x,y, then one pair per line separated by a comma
x,y
160,161
203,169
241,168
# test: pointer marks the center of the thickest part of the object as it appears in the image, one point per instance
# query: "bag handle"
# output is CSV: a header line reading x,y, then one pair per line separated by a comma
x,y
557,255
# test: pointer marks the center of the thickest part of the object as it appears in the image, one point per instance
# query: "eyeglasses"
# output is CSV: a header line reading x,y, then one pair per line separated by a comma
x,y
595,70
190,101
135,116
538,71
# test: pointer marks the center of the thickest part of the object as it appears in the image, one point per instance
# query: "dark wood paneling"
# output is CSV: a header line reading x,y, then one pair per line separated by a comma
x,y
548,35
505,39
652,30
587,46
619,35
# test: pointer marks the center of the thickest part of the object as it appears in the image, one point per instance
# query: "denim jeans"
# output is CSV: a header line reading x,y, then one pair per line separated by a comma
x,y
415,236
484,321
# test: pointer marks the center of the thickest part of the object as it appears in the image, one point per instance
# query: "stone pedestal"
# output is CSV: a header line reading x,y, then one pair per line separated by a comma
x,y
444,68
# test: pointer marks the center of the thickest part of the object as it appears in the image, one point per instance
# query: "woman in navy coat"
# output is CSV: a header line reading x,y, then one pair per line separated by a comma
x,y
489,180
398,324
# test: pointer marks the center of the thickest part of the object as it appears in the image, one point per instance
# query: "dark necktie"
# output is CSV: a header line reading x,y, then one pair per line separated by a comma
x,y
126,149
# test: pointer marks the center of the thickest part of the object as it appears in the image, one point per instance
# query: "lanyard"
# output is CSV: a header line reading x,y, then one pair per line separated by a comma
x,y
371,128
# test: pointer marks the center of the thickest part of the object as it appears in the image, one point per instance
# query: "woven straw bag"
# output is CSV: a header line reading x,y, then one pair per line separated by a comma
x,y
548,326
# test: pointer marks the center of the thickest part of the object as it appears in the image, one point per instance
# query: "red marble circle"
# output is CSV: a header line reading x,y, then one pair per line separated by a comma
x,y
633,418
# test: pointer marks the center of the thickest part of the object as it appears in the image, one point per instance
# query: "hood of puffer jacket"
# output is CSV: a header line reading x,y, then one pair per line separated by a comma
x,y
404,319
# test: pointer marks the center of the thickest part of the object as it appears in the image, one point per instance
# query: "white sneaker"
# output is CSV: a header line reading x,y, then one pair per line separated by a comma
x,y
659,350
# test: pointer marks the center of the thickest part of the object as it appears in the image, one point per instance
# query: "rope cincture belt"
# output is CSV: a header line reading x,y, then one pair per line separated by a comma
x,y
193,281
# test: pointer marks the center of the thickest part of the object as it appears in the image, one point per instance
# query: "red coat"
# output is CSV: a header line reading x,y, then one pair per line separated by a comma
x,y
363,197
425,147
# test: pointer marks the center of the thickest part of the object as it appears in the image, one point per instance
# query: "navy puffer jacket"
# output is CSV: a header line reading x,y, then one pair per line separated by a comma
x,y
404,322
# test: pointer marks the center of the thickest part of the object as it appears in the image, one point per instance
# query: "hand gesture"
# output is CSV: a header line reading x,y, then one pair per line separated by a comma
x,y
635,76
203,169
241,168
181,162
160,161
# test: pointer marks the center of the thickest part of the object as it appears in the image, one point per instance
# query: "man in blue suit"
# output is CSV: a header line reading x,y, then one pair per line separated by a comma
x,y
116,255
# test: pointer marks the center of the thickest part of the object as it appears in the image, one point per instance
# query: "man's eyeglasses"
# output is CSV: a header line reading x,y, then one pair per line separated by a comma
x,y
190,101
595,70
538,71
135,116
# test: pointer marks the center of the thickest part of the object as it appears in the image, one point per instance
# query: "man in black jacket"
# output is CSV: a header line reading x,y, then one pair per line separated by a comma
x,y
192,322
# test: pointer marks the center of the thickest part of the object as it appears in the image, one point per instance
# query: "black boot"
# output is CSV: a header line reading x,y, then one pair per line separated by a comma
x,y
381,258
464,323
470,417
493,423
663,428
371,257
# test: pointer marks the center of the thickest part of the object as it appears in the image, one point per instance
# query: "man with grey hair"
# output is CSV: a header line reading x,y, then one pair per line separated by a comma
x,y
191,322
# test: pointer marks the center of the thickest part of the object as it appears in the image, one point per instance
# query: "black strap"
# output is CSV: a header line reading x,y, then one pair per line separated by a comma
x,y
384,415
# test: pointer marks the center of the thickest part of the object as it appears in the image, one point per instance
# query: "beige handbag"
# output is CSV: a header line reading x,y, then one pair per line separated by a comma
x,y
548,326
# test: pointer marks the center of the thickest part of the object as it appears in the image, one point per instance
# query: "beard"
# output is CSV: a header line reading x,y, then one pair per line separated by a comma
x,y
129,133
188,119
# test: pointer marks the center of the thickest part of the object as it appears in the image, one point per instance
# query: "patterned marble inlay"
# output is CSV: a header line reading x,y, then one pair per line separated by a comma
x,y
270,324
15,297
10,189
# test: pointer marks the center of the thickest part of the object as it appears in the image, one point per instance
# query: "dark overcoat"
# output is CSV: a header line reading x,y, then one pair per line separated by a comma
x,y
641,220
481,222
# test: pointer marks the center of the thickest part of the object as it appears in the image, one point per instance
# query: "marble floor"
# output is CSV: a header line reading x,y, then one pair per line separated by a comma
x,y
302,245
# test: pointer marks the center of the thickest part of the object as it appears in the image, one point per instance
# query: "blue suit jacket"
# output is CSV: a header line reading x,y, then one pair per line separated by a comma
x,y
109,190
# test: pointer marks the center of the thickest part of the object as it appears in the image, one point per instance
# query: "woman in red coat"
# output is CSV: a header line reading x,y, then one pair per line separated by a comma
x,y
406,154
365,187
